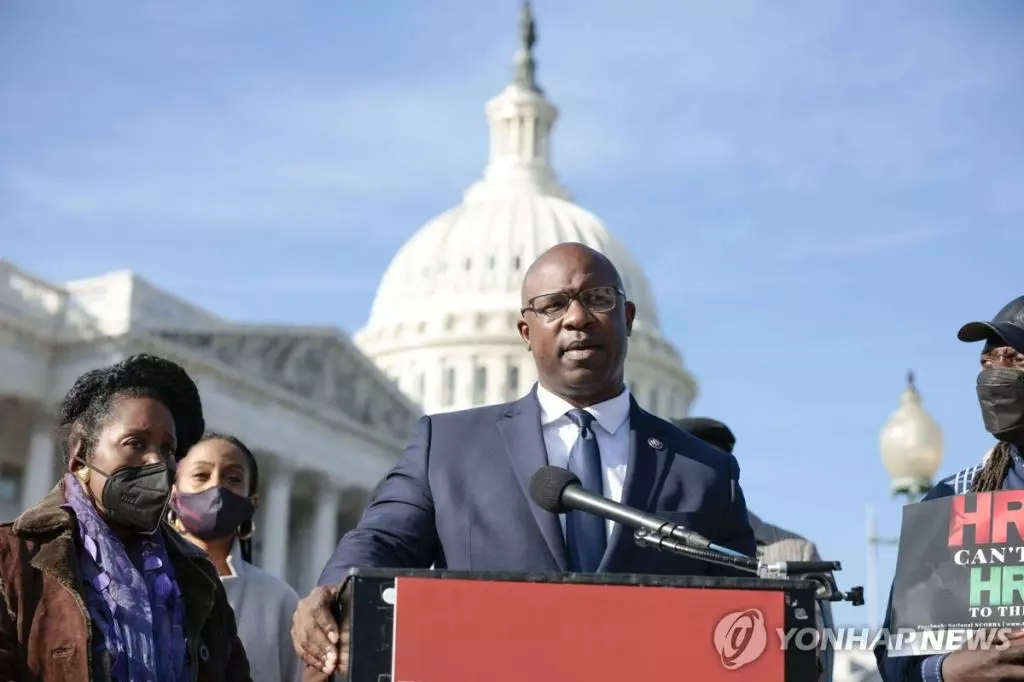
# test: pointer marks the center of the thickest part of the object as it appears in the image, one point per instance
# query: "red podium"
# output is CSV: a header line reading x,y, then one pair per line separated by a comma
x,y
446,626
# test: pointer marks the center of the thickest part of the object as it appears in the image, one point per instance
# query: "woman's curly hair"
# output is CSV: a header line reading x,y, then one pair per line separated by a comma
x,y
88,403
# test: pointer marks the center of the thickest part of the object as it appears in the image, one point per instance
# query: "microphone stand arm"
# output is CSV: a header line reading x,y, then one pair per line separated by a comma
x,y
645,537
818,572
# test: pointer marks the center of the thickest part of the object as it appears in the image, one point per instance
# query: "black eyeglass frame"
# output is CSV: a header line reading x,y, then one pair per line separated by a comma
x,y
573,296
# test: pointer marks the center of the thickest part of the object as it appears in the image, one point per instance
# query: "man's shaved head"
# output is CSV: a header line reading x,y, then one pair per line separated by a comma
x,y
556,256
576,322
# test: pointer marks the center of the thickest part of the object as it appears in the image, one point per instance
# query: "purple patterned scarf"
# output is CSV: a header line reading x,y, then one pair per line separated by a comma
x,y
140,613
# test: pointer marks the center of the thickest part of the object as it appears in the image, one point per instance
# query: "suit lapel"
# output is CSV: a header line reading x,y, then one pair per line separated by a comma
x,y
520,428
648,459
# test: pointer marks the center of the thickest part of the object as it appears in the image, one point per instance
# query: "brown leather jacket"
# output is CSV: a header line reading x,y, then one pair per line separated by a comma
x,y
46,632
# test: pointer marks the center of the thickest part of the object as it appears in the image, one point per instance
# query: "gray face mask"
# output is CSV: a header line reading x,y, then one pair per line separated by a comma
x,y
213,513
1001,396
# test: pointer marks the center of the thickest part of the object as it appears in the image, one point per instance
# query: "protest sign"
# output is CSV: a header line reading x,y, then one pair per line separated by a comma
x,y
960,572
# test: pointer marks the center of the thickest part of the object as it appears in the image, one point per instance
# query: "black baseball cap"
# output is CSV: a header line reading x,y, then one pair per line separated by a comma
x,y
710,431
1006,327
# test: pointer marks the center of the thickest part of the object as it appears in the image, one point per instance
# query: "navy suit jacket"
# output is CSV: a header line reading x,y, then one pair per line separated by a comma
x,y
459,499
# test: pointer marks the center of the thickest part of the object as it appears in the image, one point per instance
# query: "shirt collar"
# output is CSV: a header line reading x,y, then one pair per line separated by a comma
x,y
610,414
1014,453
236,564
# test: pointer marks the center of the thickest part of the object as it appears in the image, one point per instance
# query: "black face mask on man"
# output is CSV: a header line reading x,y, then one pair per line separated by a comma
x,y
136,497
1001,395
213,513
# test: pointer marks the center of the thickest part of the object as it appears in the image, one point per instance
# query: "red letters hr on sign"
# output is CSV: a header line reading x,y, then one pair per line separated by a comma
x,y
991,517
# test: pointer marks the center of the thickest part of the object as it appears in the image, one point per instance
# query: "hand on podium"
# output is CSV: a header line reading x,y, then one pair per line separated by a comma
x,y
967,665
315,634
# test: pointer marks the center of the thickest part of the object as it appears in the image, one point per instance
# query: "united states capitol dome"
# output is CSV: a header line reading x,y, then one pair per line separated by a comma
x,y
442,324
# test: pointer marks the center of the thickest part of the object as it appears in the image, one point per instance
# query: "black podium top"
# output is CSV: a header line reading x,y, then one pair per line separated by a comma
x,y
692,581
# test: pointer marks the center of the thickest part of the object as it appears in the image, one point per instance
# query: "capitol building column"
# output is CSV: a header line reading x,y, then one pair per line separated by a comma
x,y
276,517
496,372
325,530
40,465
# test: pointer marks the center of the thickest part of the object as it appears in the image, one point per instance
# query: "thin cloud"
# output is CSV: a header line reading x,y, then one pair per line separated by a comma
x,y
260,164
284,153
859,245
287,284
740,101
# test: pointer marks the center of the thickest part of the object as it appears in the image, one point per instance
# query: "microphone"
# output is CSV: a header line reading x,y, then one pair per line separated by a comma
x,y
558,491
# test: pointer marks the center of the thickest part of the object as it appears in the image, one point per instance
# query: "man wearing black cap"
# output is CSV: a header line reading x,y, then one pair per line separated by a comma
x,y
1000,389
773,543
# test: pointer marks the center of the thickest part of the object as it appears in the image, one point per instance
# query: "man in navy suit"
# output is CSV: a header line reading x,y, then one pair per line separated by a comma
x,y
459,498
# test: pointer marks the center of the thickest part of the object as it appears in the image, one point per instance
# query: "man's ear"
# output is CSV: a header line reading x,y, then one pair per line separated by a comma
x,y
630,316
524,331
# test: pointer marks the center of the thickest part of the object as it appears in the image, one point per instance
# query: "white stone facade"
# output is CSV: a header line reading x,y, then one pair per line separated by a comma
x,y
323,421
443,323
855,666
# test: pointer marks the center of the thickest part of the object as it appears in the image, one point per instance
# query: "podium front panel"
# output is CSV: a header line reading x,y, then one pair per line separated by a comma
x,y
554,628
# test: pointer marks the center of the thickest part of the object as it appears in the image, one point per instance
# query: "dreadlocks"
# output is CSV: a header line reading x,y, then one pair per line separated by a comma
x,y
88,404
997,466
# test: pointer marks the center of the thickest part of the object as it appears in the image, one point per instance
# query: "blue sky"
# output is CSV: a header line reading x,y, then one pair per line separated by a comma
x,y
820,192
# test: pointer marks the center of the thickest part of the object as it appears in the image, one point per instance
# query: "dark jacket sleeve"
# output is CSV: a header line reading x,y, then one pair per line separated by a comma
x,y
736,532
8,643
397,529
910,668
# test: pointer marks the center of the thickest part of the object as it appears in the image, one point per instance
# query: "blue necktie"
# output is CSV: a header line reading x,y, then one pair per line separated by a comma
x,y
585,533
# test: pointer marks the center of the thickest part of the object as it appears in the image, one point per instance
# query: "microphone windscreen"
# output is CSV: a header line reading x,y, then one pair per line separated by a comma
x,y
546,486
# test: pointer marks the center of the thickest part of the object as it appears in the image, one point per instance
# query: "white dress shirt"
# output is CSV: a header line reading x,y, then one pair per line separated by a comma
x,y
611,426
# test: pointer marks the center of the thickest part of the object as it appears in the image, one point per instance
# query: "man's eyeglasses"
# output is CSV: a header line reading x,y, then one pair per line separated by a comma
x,y
554,306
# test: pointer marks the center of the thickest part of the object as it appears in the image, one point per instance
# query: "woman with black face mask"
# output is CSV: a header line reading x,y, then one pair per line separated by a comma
x,y
212,505
95,585
1000,392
